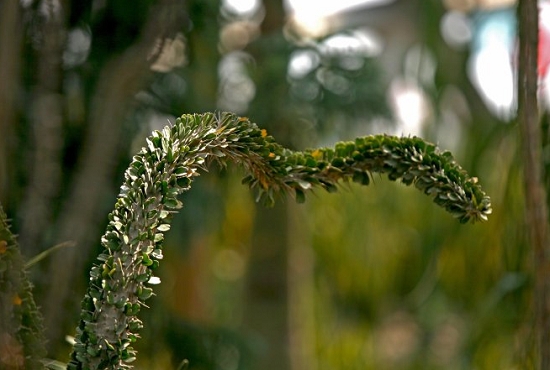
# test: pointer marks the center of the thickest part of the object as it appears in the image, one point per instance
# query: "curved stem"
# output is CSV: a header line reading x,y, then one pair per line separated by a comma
x,y
166,167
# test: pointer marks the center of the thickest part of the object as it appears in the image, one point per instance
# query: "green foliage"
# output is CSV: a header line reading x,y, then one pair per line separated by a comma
x,y
21,331
120,281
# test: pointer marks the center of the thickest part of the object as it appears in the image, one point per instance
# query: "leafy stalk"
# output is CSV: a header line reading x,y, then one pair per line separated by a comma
x,y
21,330
120,280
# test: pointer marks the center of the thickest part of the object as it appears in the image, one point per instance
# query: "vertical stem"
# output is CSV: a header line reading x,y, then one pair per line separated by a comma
x,y
535,193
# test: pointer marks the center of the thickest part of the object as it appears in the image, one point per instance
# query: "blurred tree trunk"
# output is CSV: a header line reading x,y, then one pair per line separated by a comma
x,y
47,133
266,307
11,35
121,77
301,292
80,216
535,193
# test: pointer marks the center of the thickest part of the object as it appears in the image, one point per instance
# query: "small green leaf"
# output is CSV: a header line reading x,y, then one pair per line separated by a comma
x,y
146,261
94,293
150,145
361,178
144,293
154,280
129,359
163,227
142,278
135,324
183,182
171,202
157,254
300,195
159,237
303,184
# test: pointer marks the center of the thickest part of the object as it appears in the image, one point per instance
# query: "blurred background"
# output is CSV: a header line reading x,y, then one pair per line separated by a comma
x,y
369,278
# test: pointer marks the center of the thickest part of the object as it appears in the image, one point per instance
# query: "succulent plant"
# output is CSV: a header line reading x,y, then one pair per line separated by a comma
x,y
121,279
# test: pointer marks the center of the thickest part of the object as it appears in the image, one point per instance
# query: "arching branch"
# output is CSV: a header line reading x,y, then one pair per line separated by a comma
x,y
166,167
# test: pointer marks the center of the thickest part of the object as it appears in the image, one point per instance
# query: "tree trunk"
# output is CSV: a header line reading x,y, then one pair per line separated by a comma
x,y
266,310
120,79
11,34
47,138
535,193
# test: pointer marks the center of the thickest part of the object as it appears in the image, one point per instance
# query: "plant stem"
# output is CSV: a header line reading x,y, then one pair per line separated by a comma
x,y
21,331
